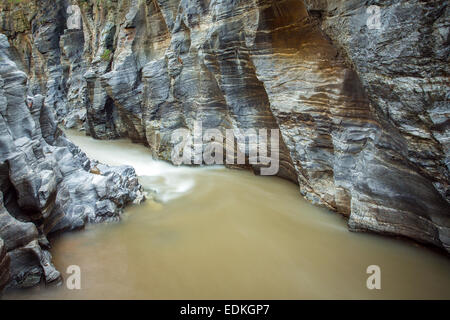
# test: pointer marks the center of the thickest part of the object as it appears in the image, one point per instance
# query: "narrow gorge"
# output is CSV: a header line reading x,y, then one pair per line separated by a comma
x,y
358,91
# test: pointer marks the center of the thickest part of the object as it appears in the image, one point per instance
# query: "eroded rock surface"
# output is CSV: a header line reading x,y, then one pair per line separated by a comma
x,y
363,113
4,266
402,58
47,184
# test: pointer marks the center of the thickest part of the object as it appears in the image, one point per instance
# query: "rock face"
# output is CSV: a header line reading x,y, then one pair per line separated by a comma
x,y
404,66
4,266
362,112
46,182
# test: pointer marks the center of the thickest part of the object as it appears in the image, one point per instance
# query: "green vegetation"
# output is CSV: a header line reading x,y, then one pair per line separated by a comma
x,y
106,56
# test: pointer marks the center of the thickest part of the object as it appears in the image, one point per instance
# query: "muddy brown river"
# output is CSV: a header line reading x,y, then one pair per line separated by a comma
x,y
216,233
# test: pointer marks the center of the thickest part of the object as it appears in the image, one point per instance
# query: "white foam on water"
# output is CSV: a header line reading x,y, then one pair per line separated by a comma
x,y
170,182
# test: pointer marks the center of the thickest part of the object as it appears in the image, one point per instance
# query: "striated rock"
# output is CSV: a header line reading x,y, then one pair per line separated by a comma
x,y
404,66
362,112
45,181
4,266
348,157
72,43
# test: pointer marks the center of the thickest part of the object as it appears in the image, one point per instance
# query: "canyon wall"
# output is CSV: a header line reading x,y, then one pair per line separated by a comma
x,y
363,112
403,65
47,184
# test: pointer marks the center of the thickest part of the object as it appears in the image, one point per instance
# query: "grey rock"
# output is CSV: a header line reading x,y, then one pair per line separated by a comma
x,y
72,43
4,266
404,66
46,182
363,113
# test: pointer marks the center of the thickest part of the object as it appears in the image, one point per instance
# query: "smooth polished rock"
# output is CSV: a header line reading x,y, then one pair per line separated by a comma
x,y
46,184
403,63
362,112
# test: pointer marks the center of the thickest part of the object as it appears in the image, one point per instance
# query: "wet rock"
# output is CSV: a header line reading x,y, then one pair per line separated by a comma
x,y
362,112
30,265
46,184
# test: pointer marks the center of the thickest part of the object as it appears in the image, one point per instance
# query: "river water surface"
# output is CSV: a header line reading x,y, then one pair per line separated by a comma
x,y
216,233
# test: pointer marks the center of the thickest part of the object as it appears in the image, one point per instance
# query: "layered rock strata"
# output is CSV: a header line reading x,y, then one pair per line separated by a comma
x,y
400,50
47,184
362,112
4,266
